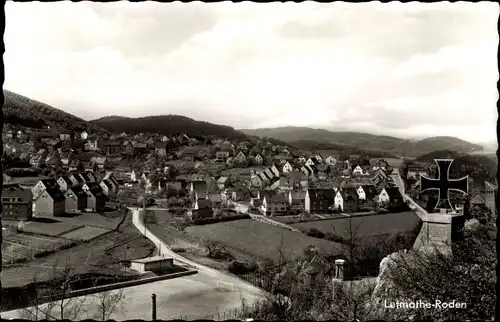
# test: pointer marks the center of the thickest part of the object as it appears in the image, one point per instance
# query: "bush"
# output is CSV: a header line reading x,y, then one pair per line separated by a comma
x,y
313,232
334,238
240,268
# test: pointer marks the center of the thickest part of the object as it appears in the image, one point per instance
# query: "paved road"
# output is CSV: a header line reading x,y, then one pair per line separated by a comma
x,y
421,212
167,252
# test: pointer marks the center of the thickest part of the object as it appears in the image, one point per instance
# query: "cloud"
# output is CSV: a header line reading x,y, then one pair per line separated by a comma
x,y
400,69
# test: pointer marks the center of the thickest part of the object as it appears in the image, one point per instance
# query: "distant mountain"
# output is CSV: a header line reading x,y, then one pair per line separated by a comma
x,y
439,154
393,145
167,125
341,149
21,110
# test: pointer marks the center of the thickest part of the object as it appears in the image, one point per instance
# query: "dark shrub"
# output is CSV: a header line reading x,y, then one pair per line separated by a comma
x,y
313,232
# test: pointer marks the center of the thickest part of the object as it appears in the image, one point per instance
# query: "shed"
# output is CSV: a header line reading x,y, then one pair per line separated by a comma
x,y
151,263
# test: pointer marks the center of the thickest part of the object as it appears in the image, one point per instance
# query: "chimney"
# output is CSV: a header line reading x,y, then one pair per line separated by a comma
x,y
339,269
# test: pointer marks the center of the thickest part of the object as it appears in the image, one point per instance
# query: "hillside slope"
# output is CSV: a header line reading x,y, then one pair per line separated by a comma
x,y
480,167
398,146
341,149
167,125
21,110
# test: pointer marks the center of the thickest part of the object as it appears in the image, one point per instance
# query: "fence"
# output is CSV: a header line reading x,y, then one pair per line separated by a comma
x,y
235,314
262,281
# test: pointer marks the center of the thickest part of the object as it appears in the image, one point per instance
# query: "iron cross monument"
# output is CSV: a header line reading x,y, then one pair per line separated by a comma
x,y
443,184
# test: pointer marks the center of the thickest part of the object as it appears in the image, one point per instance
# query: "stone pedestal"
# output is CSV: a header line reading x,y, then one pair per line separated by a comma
x,y
440,230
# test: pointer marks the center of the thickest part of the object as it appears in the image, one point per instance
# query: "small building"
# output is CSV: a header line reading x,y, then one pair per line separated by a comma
x,y
287,167
17,202
222,155
319,200
96,199
390,196
258,159
155,263
202,208
296,200
276,204
222,182
51,202
346,200
42,185
160,149
76,199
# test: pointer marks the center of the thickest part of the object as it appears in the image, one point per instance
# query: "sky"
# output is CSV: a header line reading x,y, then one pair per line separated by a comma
x,y
407,70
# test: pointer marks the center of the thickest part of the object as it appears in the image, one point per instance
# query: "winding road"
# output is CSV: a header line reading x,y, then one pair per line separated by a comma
x,y
396,177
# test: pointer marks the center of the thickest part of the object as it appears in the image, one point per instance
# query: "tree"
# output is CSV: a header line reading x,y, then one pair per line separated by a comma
x,y
107,303
215,250
468,276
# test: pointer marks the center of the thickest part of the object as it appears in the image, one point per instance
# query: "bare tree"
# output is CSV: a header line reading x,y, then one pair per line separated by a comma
x,y
108,302
214,249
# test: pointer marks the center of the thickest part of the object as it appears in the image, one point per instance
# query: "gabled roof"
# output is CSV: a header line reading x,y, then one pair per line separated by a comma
x,y
322,194
50,183
204,203
55,194
199,186
349,193
393,192
77,190
276,198
298,195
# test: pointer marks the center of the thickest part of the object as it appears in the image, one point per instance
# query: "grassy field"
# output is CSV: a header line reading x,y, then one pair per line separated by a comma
x,y
365,226
87,257
260,240
54,228
85,233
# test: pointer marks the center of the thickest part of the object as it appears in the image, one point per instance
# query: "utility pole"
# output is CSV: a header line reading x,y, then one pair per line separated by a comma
x,y
153,299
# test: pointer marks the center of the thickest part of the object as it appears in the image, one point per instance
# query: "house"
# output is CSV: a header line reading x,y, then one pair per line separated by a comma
x,y
50,202
140,148
259,159
301,159
285,183
198,188
319,200
39,158
346,200
287,167
416,170
383,184
64,136
276,204
75,165
75,199
478,200
91,145
366,192
76,179
113,147
257,181
240,158
84,135
490,196
275,170
390,196
222,182
238,194
318,157
64,183
296,200
164,139
222,155
202,209
96,199
331,160
90,176
269,173
160,149
133,176
66,158
43,185
380,164
17,202
128,145
101,162
112,180
107,187
311,161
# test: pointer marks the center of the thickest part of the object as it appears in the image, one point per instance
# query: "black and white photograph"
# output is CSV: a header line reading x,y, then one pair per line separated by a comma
x,y
249,161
